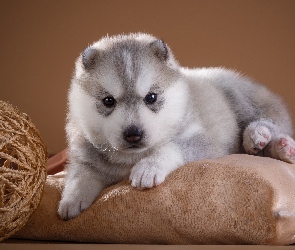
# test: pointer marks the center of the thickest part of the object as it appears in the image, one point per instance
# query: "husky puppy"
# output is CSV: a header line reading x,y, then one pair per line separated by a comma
x,y
135,113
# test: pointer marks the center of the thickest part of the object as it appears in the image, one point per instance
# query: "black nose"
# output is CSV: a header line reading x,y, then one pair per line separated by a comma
x,y
133,134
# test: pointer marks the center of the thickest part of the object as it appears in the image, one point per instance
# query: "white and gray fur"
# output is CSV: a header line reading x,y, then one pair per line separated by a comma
x,y
135,113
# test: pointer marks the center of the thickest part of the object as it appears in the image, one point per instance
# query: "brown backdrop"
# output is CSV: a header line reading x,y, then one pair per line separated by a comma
x,y
40,41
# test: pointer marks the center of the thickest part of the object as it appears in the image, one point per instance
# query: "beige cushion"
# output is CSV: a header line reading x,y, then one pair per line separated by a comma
x,y
237,199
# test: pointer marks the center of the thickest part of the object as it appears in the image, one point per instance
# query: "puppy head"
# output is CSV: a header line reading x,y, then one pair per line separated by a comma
x,y
127,93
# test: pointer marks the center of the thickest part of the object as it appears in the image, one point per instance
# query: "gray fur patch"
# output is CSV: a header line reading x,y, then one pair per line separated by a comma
x,y
89,58
160,49
127,64
243,106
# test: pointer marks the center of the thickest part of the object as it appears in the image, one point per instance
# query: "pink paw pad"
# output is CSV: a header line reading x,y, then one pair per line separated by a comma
x,y
291,150
260,138
286,149
262,144
256,138
283,142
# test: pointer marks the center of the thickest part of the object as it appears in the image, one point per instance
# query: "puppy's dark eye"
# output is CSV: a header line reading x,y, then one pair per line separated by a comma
x,y
150,98
109,101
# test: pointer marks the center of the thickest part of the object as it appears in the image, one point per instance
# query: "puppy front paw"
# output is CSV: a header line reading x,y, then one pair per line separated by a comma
x,y
70,207
145,176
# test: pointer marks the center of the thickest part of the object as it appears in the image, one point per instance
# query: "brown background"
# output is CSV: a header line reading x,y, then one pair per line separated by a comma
x,y
40,41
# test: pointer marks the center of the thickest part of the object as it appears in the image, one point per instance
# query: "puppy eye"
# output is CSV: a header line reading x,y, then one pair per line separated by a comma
x,y
109,101
150,98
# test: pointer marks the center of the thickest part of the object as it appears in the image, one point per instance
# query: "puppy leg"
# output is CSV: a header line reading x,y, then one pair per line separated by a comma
x,y
152,170
257,135
263,136
282,148
81,188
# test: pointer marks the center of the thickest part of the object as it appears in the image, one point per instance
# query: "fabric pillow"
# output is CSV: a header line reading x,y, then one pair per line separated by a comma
x,y
236,199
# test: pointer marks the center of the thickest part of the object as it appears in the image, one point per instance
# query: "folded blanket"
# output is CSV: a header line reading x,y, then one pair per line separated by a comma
x,y
236,199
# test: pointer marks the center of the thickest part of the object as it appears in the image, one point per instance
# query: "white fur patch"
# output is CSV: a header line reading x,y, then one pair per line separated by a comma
x,y
162,126
153,169
81,188
191,130
83,111
145,80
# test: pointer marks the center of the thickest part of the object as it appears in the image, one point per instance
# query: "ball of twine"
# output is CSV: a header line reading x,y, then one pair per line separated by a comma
x,y
23,157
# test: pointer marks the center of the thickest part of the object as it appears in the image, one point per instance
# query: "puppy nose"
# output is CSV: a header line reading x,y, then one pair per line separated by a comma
x,y
133,134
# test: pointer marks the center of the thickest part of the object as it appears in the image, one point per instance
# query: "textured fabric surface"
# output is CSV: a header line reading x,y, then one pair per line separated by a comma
x,y
236,199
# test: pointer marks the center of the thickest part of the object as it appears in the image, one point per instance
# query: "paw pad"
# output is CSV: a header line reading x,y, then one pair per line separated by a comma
x,y
256,138
284,149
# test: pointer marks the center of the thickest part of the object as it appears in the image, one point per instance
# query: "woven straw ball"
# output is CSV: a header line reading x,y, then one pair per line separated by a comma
x,y
23,157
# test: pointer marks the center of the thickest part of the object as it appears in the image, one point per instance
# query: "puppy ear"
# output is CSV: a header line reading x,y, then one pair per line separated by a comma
x,y
89,58
160,49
